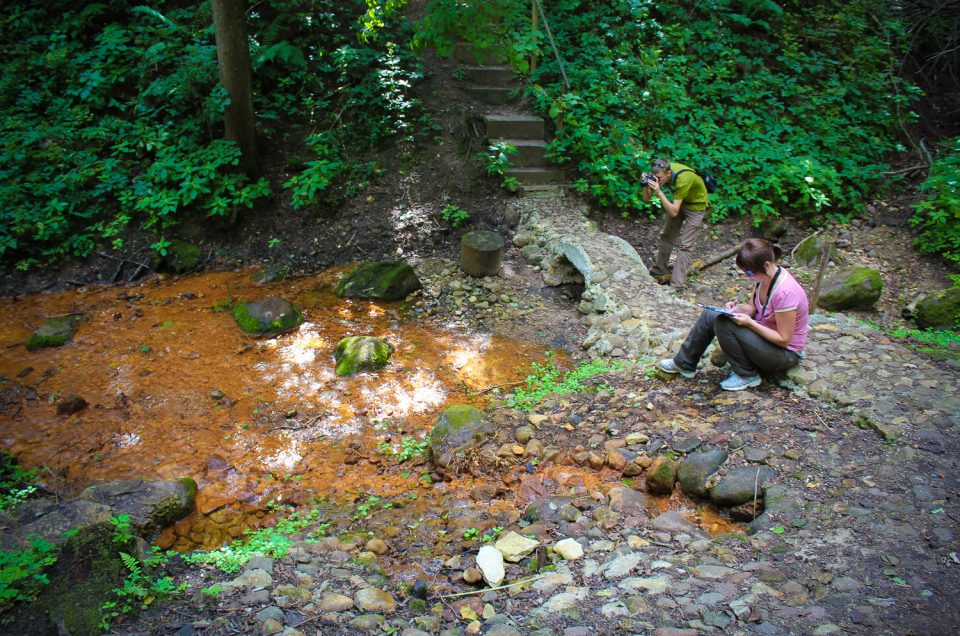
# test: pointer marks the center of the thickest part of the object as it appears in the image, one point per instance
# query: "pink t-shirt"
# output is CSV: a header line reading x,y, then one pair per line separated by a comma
x,y
787,295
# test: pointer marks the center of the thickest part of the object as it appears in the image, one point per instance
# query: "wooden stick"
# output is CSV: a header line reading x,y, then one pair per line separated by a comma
x,y
799,243
713,260
493,589
824,259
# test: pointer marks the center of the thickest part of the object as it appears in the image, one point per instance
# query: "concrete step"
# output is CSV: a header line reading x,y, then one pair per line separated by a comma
x,y
537,176
494,95
490,75
543,191
466,53
530,152
514,126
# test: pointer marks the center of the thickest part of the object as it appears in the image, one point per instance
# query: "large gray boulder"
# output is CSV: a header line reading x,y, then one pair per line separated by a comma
x,y
855,287
386,280
740,485
695,469
151,506
940,311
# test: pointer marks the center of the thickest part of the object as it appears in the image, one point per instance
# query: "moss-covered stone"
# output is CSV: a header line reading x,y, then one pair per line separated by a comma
x,y
661,475
361,353
267,317
940,311
855,287
809,251
386,280
459,427
180,257
82,579
55,332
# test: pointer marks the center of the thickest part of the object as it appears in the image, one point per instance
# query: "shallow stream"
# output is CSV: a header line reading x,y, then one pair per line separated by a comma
x,y
175,389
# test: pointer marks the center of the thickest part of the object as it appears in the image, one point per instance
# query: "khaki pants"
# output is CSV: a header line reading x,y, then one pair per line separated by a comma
x,y
680,231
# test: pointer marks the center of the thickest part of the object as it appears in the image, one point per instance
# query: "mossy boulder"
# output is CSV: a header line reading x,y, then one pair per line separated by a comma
x,y
180,257
810,249
87,569
854,287
267,317
361,353
940,311
385,280
661,475
151,504
55,332
741,485
458,428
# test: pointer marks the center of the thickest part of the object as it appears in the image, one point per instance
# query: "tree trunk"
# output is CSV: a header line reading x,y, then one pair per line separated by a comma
x,y
233,57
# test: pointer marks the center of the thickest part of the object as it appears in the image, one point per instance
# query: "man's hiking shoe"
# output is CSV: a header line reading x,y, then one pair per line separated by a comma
x,y
736,383
667,365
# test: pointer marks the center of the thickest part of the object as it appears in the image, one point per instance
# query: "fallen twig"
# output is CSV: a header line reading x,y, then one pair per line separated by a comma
x,y
713,260
493,589
499,386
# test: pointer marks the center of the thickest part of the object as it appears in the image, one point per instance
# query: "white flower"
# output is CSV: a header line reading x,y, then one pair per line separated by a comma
x,y
808,179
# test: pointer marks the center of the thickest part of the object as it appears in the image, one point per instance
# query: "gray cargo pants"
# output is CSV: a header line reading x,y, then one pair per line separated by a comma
x,y
681,230
747,352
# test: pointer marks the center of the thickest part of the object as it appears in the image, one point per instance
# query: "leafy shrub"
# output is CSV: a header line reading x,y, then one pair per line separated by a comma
x,y
111,113
17,484
22,572
778,99
454,215
938,214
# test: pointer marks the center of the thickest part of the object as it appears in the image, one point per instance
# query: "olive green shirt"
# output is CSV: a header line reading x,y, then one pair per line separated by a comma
x,y
690,187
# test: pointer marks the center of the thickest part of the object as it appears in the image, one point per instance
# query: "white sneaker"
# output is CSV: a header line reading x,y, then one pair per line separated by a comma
x,y
667,365
735,383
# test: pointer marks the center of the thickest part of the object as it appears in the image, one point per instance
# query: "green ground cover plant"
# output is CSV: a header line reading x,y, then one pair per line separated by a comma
x,y
111,114
778,99
547,379
941,344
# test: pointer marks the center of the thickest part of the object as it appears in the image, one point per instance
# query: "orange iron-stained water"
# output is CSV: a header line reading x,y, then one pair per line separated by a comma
x,y
175,389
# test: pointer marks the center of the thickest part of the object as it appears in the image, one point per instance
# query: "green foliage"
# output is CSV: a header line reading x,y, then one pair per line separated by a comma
x,y
547,379
112,114
17,484
454,215
22,573
938,214
471,534
942,344
122,528
793,105
139,590
407,449
496,161
272,542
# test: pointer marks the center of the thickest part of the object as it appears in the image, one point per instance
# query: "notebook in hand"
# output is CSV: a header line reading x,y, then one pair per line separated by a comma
x,y
719,310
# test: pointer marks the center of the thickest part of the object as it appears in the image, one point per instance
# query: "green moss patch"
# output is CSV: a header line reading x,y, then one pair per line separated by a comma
x,y
54,332
267,317
386,280
361,353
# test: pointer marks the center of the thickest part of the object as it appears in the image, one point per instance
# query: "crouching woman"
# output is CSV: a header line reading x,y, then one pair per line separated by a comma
x,y
766,335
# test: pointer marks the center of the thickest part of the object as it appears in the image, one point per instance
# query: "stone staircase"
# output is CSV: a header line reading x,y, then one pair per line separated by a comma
x,y
491,82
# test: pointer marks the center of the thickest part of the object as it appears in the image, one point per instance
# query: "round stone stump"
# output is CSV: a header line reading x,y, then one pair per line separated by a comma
x,y
480,253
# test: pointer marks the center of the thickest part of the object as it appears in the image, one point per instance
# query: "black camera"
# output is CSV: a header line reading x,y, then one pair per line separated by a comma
x,y
647,179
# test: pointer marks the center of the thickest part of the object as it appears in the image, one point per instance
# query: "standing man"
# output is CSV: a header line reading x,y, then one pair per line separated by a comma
x,y
684,216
